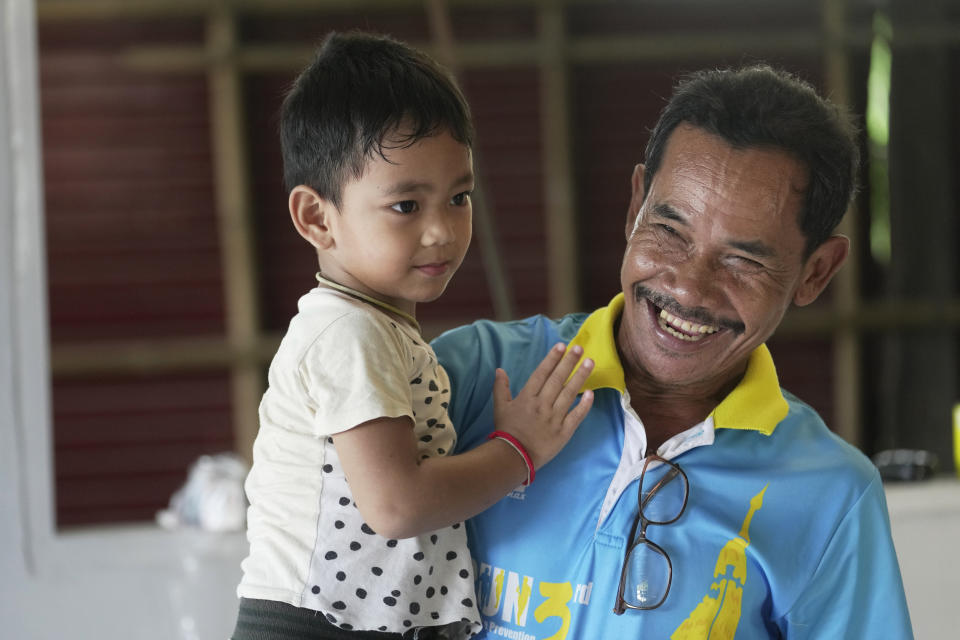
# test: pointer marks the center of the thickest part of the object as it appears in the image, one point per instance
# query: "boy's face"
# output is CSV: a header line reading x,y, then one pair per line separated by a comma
x,y
404,226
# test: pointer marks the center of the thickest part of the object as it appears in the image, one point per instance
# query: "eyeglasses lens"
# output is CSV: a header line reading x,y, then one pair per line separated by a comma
x,y
648,574
662,495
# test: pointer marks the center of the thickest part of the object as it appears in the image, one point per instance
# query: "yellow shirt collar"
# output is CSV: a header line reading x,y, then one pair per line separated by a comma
x,y
755,404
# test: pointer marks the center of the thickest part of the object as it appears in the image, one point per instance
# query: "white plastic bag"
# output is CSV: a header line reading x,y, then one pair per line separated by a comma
x,y
212,498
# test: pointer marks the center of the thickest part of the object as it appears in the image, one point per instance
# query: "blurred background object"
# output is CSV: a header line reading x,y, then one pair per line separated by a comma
x,y
905,465
212,498
149,267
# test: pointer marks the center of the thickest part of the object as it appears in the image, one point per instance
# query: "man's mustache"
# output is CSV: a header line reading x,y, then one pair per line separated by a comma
x,y
698,314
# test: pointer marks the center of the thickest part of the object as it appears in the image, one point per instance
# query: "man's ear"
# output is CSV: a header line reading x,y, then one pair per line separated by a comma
x,y
636,198
820,268
311,216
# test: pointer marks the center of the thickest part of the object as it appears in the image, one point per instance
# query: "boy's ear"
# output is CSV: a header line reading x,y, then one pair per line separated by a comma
x,y
820,268
310,214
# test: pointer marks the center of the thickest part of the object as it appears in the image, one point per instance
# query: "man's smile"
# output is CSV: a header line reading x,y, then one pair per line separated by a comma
x,y
684,329
689,325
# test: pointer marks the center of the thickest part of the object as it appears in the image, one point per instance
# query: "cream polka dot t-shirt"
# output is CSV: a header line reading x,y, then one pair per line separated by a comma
x,y
344,362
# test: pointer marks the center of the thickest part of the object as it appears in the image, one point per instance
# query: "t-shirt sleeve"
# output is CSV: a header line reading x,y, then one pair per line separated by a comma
x,y
355,371
856,590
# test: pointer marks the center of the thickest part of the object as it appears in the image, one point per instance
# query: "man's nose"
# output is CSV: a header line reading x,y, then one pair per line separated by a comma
x,y
694,280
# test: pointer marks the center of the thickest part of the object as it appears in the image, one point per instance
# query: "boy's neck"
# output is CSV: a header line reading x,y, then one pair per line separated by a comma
x,y
385,306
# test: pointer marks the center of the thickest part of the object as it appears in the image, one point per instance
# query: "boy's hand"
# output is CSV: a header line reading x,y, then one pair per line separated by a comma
x,y
540,416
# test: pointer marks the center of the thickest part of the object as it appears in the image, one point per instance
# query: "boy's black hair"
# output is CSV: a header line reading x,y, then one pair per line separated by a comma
x,y
759,106
358,89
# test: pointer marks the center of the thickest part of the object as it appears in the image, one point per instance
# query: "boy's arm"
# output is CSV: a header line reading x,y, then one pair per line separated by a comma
x,y
400,496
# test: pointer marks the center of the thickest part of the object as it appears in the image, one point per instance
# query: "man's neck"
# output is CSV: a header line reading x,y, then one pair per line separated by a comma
x,y
665,412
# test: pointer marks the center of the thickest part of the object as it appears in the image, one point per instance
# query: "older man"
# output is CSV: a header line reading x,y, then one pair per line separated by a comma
x,y
698,499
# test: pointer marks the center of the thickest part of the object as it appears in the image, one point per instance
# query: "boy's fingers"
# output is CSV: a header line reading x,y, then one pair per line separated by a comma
x,y
554,385
501,387
572,386
579,412
546,367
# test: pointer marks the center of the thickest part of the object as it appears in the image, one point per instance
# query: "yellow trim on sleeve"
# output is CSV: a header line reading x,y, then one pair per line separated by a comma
x,y
755,404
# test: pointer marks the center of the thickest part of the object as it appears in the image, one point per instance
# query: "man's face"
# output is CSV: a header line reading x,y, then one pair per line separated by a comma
x,y
714,258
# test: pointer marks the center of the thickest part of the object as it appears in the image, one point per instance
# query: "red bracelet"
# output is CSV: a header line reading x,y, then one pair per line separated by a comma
x,y
513,442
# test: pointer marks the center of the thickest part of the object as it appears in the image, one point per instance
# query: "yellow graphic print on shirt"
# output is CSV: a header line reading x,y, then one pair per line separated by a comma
x,y
716,618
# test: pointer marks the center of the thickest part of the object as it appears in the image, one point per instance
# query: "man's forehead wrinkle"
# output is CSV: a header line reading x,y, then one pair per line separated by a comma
x,y
709,180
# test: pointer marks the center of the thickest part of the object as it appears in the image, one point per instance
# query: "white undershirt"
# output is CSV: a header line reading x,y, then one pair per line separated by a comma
x,y
635,448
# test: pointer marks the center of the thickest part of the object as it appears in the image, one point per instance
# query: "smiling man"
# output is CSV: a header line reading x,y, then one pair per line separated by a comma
x,y
698,499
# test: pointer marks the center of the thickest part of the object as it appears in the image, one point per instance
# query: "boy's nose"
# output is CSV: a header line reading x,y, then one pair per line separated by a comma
x,y
438,229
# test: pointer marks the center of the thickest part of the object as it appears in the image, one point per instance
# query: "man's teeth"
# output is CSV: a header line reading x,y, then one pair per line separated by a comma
x,y
684,329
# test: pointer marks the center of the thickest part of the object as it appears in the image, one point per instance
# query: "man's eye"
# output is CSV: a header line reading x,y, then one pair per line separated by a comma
x,y
667,229
405,206
460,199
747,263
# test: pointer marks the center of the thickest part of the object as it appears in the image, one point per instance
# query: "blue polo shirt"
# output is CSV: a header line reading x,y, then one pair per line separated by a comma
x,y
785,534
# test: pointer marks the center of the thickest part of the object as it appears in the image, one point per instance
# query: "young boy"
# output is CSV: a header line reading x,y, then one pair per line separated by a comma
x,y
355,500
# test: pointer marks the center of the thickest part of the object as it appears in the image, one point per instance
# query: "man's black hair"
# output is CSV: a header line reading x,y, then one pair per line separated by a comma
x,y
759,106
359,90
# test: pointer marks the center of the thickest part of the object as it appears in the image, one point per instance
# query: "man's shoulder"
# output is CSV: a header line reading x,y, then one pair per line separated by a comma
x,y
488,333
804,437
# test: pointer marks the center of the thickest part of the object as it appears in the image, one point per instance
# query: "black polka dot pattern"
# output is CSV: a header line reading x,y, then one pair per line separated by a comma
x,y
360,580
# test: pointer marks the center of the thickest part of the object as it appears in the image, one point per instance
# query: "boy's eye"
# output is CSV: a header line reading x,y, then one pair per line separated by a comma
x,y
405,206
460,199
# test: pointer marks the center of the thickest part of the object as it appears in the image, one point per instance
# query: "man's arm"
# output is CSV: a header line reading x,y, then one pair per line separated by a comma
x,y
856,590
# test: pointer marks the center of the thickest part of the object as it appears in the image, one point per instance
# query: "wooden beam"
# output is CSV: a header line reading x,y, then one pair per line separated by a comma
x,y
230,158
525,52
556,157
157,356
191,354
98,9
847,383
448,54
289,58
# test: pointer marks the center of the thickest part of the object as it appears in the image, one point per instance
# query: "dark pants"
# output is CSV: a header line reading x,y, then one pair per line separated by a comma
x,y
269,620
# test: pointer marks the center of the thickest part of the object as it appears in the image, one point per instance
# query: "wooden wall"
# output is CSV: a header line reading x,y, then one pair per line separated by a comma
x,y
173,268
